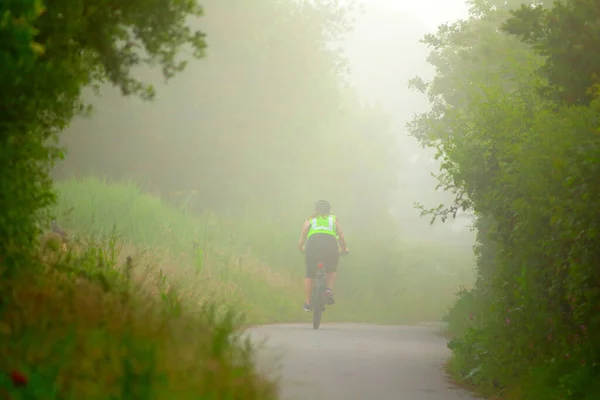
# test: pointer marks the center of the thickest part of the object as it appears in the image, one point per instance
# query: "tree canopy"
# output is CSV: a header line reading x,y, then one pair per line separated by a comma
x,y
567,37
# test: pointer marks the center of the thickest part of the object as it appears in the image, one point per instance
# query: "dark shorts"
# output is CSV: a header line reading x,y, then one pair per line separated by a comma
x,y
321,248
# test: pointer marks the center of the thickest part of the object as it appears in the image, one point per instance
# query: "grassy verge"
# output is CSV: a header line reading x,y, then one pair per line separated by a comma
x,y
236,278
103,321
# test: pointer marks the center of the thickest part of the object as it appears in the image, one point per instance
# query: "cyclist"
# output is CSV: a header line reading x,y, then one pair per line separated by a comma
x,y
319,243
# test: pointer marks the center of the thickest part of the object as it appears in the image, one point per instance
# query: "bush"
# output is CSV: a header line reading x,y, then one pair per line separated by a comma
x,y
527,161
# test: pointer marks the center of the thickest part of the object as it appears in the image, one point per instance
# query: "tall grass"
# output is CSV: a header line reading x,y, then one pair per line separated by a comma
x,y
94,207
256,259
107,321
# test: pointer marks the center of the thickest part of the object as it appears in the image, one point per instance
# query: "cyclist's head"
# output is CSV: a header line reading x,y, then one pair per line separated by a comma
x,y
322,207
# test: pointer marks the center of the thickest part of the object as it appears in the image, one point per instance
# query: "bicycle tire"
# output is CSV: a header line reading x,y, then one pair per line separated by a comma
x,y
318,302
317,314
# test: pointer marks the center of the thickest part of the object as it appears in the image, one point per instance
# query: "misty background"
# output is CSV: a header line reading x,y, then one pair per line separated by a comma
x,y
264,89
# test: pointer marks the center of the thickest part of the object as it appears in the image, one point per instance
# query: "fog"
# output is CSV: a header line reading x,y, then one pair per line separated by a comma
x,y
384,52
227,131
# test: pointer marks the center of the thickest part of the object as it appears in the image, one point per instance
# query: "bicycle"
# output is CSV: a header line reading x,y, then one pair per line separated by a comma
x,y
318,296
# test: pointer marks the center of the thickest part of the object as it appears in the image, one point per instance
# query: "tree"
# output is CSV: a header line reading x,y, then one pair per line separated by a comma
x,y
468,55
49,53
567,37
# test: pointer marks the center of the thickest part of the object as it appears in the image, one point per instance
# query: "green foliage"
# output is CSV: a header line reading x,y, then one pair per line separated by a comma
x,y
566,35
527,165
462,315
48,55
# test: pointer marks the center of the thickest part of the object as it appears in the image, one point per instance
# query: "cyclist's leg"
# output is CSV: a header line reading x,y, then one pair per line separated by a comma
x,y
316,251
331,278
332,261
331,270
308,285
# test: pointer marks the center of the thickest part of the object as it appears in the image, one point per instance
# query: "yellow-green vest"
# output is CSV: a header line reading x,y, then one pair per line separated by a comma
x,y
321,224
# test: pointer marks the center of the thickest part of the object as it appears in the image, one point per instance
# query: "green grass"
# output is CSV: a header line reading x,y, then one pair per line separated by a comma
x,y
92,207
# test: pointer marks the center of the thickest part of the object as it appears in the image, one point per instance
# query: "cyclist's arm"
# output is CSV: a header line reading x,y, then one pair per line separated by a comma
x,y
341,238
303,235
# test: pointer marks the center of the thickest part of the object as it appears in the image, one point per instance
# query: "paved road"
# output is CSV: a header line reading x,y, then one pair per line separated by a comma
x,y
353,361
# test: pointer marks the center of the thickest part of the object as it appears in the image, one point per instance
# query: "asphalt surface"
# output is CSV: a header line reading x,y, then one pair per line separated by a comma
x,y
354,361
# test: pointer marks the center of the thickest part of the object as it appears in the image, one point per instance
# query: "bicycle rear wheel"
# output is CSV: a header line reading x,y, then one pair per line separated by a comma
x,y
317,314
318,302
